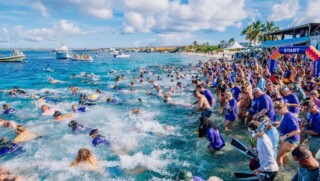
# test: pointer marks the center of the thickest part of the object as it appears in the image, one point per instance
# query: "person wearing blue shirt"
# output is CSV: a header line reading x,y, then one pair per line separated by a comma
x,y
313,129
289,132
272,133
98,139
264,105
261,82
292,101
8,110
78,128
309,169
76,109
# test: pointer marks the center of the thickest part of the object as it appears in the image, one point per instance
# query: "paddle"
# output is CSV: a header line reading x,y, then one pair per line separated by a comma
x,y
243,148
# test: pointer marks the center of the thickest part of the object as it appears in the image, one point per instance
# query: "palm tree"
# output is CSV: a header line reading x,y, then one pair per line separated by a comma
x,y
195,43
231,41
270,27
247,31
256,32
222,43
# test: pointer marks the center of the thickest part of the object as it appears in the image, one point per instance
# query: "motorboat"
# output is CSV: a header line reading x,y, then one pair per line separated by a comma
x,y
82,57
63,52
114,52
15,56
121,55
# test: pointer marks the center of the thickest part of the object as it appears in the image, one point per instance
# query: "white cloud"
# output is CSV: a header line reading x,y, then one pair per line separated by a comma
x,y
68,28
4,35
95,8
41,8
174,39
285,10
313,10
146,6
102,13
171,16
309,15
63,28
137,21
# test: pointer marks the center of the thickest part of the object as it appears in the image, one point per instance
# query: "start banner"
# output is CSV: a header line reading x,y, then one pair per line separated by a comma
x,y
293,50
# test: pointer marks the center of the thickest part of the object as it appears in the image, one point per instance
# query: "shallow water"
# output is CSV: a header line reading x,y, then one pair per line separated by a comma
x,y
164,153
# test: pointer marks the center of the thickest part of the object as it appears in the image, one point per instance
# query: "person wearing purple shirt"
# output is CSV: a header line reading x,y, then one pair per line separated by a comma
x,y
313,129
264,105
289,132
210,131
292,101
207,93
230,110
236,91
187,176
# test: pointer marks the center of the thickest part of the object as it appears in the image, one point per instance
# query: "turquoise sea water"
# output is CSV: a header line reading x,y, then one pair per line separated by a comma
x,y
164,153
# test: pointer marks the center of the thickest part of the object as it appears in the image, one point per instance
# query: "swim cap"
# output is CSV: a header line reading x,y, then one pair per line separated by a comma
x,y
56,114
94,131
72,123
185,175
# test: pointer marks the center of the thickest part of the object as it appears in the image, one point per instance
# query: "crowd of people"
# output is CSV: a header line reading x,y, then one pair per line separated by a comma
x,y
279,107
280,110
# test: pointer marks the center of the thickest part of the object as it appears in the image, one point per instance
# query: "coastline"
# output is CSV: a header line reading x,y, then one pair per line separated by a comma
x,y
219,55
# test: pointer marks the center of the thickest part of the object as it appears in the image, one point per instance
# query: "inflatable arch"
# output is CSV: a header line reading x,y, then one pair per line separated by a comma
x,y
310,51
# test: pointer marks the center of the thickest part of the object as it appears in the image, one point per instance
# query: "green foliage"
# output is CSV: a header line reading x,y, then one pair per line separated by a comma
x,y
204,48
254,32
252,142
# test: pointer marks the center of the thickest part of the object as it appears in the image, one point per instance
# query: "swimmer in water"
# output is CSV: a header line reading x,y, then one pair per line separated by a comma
x,y
6,175
85,160
53,81
78,128
8,124
80,109
46,110
7,109
17,91
97,138
40,101
57,116
24,135
74,90
135,111
111,100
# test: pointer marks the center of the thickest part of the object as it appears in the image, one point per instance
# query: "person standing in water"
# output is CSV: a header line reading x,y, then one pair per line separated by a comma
x,y
210,131
203,105
207,93
268,166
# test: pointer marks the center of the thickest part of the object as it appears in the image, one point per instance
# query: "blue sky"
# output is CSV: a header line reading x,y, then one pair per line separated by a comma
x,y
135,23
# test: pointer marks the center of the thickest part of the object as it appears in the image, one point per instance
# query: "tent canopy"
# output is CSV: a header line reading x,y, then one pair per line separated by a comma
x,y
235,45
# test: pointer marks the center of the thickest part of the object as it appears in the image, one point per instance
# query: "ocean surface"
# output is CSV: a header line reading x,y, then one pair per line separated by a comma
x,y
149,145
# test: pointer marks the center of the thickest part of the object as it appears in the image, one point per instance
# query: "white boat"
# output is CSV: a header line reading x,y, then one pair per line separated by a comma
x,y
82,57
114,52
15,56
121,55
63,52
